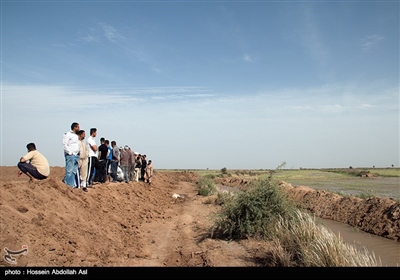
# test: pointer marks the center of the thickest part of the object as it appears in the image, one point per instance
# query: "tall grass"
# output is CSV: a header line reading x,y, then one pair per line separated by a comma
x,y
264,211
313,245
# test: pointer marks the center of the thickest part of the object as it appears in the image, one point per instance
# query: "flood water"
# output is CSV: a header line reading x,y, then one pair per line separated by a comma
x,y
387,250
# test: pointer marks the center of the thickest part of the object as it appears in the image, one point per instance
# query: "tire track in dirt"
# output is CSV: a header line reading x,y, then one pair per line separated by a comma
x,y
182,240
170,242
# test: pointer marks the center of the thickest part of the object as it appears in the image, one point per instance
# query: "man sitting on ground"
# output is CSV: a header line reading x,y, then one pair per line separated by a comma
x,y
34,164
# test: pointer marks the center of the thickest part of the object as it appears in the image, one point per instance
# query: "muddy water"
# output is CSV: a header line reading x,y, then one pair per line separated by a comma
x,y
386,249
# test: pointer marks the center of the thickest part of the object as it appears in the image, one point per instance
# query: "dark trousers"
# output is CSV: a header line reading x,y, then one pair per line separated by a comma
x,y
108,166
93,165
27,167
142,172
101,172
114,169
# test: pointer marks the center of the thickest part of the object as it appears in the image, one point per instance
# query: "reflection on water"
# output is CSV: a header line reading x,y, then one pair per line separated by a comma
x,y
386,249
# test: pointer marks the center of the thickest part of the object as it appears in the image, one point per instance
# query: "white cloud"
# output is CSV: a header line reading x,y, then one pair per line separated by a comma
x,y
94,34
247,58
371,41
335,108
64,98
366,106
111,33
90,38
311,38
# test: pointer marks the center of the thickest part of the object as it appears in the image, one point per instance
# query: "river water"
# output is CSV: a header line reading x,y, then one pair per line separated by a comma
x,y
387,250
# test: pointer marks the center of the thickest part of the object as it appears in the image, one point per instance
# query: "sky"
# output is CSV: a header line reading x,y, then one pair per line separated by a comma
x,y
205,84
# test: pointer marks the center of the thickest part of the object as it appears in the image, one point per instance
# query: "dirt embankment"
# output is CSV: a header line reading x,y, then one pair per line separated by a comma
x,y
68,227
136,224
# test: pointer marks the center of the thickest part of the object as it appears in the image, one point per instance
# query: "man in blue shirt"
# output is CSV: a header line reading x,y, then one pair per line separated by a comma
x,y
109,158
114,161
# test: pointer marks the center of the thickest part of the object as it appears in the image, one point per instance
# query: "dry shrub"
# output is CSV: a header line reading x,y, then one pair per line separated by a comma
x,y
250,213
206,187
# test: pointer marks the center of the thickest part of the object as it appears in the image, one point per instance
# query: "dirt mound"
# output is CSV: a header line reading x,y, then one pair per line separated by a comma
x,y
234,182
68,227
136,224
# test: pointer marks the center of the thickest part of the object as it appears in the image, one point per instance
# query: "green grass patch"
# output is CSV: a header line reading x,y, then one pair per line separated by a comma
x,y
385,172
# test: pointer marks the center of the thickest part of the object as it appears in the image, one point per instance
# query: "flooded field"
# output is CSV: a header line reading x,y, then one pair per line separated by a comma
x,y
380,186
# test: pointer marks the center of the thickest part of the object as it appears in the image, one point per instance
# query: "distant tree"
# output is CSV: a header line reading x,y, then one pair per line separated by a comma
x,y
224,170
373,166
392,165
350,167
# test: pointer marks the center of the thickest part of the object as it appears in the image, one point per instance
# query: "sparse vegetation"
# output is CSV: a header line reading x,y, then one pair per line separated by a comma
x,y
250,213
301,241
363,195
264,211
209,176
224,198
386,172
206,186
352,171
335,180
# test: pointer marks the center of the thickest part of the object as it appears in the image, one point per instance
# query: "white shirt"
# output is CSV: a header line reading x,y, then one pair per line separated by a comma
x,y
91,142
71,143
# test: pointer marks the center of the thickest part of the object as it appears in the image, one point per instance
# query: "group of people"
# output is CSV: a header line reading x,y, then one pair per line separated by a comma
x,y
86,163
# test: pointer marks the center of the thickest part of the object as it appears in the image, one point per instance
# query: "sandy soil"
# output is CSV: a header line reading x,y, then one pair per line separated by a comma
x,y
135,224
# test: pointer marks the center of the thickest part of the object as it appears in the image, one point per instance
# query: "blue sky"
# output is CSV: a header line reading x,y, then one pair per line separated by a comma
x,y
205,84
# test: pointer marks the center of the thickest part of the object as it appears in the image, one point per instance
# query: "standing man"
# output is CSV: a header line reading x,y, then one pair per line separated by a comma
x,y
33,164
138,166
93,160
101,172
83,160
71,154
149,172
114,161
125,160
132,163
109,158
143,168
